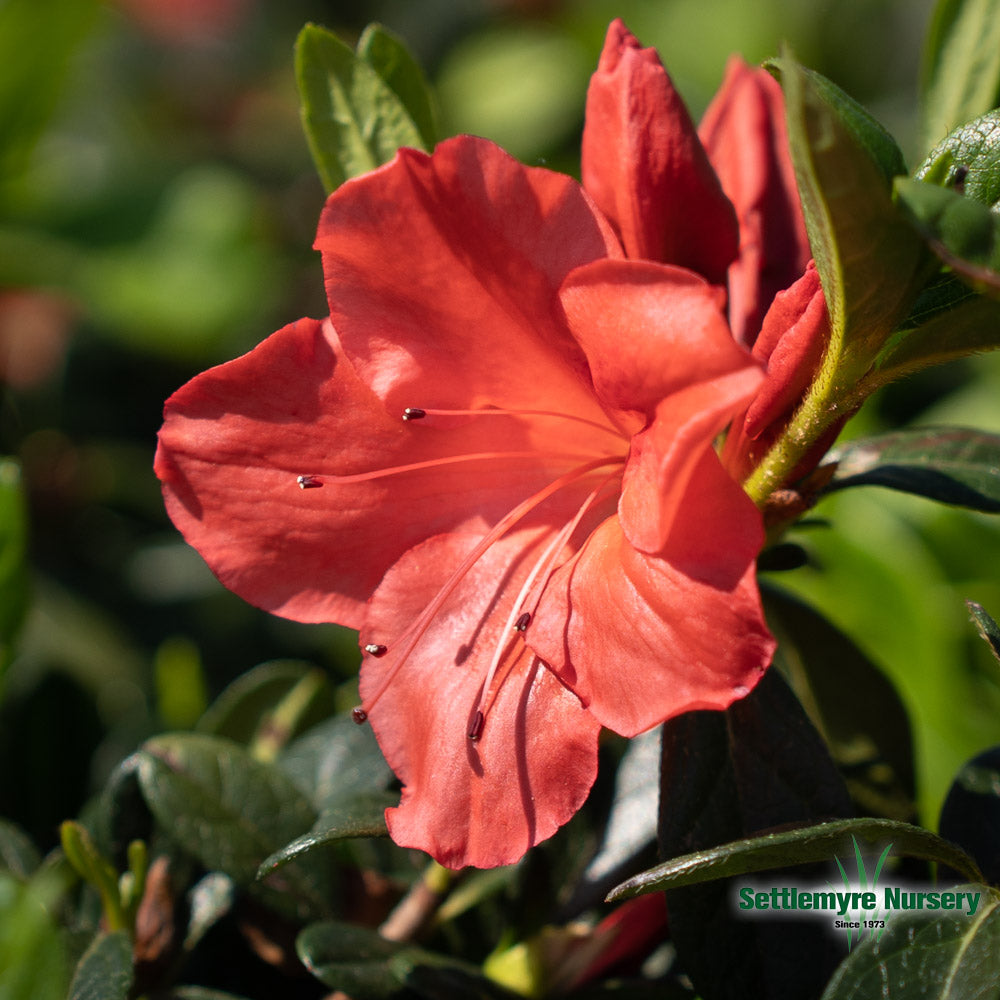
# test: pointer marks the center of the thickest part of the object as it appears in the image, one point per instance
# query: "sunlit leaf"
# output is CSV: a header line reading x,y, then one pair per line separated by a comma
x,y
951,465
804,845
105,971
961,73
949,957
353,120
968,160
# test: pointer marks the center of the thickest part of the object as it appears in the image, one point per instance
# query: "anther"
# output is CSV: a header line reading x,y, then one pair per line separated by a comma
x,y
376,649
414,413
523,622
476,729
359,715
309,483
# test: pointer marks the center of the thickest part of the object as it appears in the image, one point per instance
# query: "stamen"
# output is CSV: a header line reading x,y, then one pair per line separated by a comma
x,y
359,715
309,483
376,649
476,729
476,456
546,564
412,635
419,412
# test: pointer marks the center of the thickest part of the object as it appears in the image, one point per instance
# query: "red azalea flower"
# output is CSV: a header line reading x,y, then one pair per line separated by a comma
x,y
503,437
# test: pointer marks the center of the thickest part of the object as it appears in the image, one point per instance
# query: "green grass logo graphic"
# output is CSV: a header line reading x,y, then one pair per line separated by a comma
x,y
868,920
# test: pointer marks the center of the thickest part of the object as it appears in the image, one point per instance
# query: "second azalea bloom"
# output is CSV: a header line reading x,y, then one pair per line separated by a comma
x,y
495,458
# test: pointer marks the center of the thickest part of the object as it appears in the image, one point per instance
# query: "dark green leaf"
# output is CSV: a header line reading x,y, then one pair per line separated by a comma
x,y
362,816
851,703
728,776
871,262
18,855
970,816
197,993
804,845
390,58
228,809
951,465
13,566
988,628
105,971
964,233
244,707
353,120
968,161
955,957
961,73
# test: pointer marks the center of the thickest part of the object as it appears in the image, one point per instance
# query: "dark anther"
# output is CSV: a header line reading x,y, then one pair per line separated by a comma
x,y
309,483
523,622
359,715
376,649
414,413
476,729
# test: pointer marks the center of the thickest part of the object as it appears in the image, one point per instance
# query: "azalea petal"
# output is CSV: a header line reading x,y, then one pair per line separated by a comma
x,y
237,437
643,164
442,274
641,641
745,135
648,330
660,495
481,803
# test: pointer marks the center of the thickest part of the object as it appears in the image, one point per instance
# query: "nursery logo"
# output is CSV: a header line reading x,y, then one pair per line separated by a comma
x,y
861,908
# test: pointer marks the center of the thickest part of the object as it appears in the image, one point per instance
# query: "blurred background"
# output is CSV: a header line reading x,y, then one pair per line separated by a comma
x,y
157,209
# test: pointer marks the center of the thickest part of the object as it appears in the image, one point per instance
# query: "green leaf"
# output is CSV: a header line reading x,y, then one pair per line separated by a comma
x,y
364,965
871,263
354,121
228,809
988,628
964,233
955,957
968,160
388,55
805,845
727,776
850,701
105,971
951,465
362,816
970,816
13,564
244,708
961,72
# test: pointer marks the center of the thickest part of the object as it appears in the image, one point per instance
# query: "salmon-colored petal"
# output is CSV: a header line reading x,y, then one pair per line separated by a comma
x,y
643,164
745,135
442,274
472,802
641,640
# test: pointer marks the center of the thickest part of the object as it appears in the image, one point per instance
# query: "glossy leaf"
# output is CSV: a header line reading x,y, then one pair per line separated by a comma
x,y
954,957
988,628
387,54
870,261
970,815
961,73
228,809
353,120
105,971
362,816
725,777
804,845
13,566
850,701
967,160
964,233
952,465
